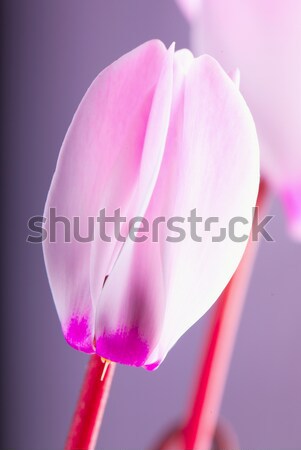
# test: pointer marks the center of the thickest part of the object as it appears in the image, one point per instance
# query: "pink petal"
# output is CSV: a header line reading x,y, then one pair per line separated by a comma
x,y
218,165
116,329
98,168
157,290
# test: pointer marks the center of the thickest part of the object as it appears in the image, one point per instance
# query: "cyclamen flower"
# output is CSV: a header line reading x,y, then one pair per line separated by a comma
x,y
158,133
263,39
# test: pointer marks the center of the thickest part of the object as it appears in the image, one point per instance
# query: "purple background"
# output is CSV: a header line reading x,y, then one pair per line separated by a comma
x,y
52,50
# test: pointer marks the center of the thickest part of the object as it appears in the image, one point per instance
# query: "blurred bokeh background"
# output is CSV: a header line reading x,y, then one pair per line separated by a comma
x,y
51,51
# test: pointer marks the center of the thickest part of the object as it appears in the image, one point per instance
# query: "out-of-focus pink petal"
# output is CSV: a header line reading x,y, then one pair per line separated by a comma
x,y
98,167
190,8
291,198
263,39
157,290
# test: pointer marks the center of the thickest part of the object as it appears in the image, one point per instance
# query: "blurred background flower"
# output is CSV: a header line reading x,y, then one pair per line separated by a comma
x,y
263,39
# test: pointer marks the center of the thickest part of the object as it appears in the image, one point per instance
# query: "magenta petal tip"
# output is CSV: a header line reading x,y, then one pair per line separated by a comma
x,y
124,347
78,334
153,366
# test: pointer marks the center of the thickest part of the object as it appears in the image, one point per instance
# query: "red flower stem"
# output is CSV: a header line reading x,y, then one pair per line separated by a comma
x,y
200,427
90,407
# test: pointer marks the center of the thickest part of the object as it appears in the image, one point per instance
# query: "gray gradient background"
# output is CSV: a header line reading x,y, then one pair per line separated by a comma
x,y
53,49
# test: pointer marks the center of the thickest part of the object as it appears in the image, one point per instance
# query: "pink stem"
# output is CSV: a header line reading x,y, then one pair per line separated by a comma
x,y
90,407
201,425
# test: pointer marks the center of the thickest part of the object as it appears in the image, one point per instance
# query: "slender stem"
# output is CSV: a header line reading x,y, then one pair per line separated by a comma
x,y
91,405
200,427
